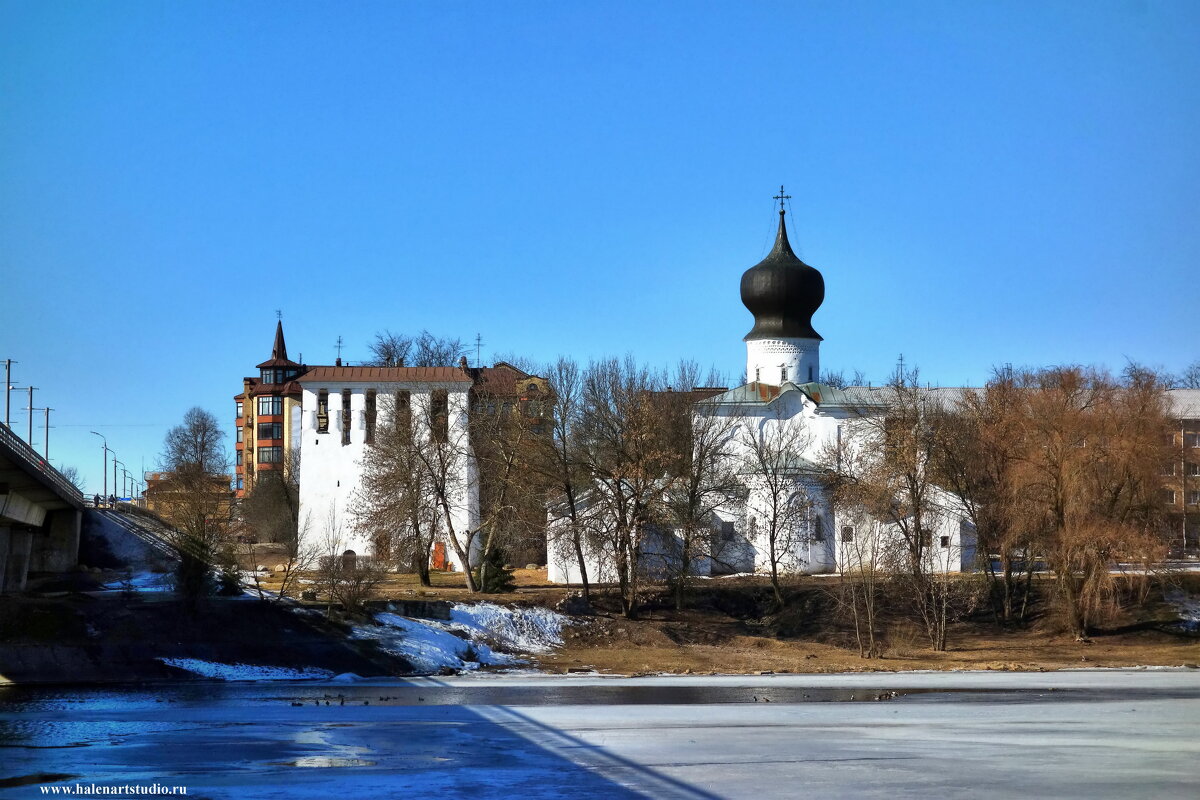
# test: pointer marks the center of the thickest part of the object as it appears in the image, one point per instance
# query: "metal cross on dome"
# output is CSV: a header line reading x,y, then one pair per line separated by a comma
x,y
781,197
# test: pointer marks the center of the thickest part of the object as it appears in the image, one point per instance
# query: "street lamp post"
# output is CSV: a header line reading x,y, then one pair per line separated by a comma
x,y
8,387
115,462
104,464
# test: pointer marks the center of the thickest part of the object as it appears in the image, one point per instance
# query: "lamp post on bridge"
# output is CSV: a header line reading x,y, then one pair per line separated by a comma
x,y
115,462
8,387
104,464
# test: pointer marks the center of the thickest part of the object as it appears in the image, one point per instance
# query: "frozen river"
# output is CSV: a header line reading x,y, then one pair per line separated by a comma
x,y
1085,734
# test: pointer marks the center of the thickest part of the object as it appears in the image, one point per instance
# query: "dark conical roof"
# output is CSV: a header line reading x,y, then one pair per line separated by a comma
x,y
278,351
782,292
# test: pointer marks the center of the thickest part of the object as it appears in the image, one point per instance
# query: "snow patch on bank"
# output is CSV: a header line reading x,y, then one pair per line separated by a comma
x,y
476,635
142,582
245,672
1188,608
518,630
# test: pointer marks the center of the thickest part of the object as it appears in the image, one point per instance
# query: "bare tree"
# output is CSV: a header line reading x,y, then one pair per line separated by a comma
x,y
559,461
623,449
300,556
512,494
866,565
781,486
1087,479
346,578
977,445
885,462
418,478
840,381
271,509
395,504
1189,378
71,473
703,470
423,350
194,496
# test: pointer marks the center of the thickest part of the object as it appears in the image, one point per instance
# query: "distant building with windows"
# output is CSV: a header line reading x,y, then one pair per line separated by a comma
x,y
1181,475
344,405
323,418
267,416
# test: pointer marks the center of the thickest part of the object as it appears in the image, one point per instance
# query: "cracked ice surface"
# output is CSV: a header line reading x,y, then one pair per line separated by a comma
x,y
1077,734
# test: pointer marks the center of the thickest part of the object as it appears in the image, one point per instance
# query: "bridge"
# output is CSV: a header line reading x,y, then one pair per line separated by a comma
x,y
40,515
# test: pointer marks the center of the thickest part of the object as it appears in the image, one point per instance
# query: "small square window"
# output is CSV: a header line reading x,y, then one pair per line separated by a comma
x,y
847,533
945,541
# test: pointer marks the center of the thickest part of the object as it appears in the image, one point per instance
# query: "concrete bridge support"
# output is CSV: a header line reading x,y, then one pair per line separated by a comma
x,y
15,545
56,546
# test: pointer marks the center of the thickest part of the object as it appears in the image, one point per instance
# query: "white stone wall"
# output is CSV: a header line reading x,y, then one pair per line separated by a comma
x,y
775,361
882,546
332,472
806,550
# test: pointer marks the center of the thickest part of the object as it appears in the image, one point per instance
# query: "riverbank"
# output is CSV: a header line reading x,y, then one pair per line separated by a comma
x,y
82,633
97,637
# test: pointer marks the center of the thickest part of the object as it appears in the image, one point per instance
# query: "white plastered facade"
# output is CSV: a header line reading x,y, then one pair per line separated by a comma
x,y
777,361
331,472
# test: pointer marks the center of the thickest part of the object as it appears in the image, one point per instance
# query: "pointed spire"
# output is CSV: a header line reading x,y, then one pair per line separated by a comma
x,y
782,245
279,350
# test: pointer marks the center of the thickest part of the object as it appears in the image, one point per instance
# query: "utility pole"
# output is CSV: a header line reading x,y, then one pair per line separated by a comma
x,y
8,362
115,462
46,441
29,438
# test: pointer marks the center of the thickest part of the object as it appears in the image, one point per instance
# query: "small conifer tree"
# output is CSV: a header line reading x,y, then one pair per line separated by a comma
x,y
494,576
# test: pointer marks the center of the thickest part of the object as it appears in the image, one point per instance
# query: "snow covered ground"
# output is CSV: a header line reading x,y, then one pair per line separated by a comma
x,y
476,635
245,672
142,582
1188,607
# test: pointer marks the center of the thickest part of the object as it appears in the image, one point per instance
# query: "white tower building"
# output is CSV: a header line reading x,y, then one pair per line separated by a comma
x,y
782,292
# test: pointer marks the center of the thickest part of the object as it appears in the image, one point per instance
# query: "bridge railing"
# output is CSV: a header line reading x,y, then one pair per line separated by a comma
x,y
22,450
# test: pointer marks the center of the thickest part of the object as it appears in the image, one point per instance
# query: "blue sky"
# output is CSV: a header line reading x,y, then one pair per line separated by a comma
x,y
979,183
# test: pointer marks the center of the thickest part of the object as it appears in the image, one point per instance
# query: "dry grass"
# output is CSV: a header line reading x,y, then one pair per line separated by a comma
x,y
726,637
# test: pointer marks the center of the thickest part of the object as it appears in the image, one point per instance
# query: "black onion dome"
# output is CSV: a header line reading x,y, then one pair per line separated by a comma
x,y
782,292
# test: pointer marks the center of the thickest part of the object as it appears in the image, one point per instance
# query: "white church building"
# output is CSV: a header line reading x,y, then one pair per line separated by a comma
x,y
782,395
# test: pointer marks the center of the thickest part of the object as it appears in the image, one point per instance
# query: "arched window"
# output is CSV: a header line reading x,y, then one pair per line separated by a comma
x,y
349,560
